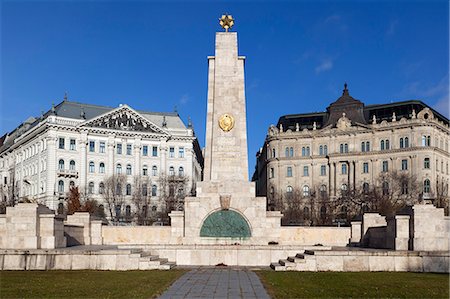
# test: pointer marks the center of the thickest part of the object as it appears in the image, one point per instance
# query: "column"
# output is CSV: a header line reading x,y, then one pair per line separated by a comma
x,y
51,170
163,153
39,168
137,155
110,161
82,175
351,174
188,171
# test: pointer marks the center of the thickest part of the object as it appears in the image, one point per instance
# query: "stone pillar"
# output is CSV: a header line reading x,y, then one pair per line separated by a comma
x,y
402,232
83,156
351,175
163,154
81,219
110,164
96,232
137,156
177,227
356,232
51,171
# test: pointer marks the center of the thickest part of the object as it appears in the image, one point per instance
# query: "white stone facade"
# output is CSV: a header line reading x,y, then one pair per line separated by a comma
x,y
84,144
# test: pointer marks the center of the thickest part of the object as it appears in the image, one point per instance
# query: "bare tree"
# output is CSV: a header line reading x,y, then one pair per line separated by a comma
x,y
113,195
141,197
442,196
172,194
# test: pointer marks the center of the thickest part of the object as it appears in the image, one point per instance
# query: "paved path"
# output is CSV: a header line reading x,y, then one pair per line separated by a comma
x,y
217,283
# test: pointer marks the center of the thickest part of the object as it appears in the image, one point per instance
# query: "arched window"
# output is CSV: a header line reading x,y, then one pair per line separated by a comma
x,y
426,163
273,153
144,170
91,167
426,186
344,168
171,170
321,150
387,144
291,151
144,211
367,146
382,145
345,147
144,190
154,190
344,187
405,188
325,150
128,189
323,212
91,188
154,170
61,164
101,167
181,171
118,189
289,191
128,211
71,184
402,144
323,191
305,191
154,208
72,165
118,168
128,169
286,152
406,142
101,188
60,208
303,151
61,186
306,212
363,146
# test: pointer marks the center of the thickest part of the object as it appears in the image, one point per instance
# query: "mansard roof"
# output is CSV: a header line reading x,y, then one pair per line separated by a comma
x,y
356,111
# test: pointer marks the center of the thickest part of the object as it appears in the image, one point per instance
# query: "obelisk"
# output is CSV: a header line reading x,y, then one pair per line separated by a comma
x,y
226,129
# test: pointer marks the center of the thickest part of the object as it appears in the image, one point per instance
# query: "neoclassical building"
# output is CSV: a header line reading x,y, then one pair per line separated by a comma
x,y
350,144
83,144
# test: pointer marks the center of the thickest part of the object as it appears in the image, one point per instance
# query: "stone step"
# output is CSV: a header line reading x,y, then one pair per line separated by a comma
x,y
309,252
300,256
286,263
277,267
295,259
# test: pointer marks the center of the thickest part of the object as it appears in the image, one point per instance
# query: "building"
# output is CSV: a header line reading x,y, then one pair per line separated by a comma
x,y
350,147
83,145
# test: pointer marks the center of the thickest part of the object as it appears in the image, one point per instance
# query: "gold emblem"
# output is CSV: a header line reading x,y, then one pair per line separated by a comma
x,y
226,122
226,21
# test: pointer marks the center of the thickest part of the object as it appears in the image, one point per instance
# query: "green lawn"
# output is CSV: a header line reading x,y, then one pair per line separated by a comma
x,y
85,284
355,284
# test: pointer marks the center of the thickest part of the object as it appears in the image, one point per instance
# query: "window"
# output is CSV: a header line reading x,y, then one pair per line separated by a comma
x,y
128,211
92,146
119,149
91,167
426,163
61,186
144,190
343,148
273,153
145,150
305,191
367,146
154,208
365,167
306,151
101,167
344,187
154,170
385,166
128,189
323,212
118,168
72,145
102,147
343,168
321,150
289,171
404,164
154,151
366,188
404,188
118,189
382,145
71,184
118,210
406,142
426,140
181,152
129,149
61,164
171,170
387,144
323,191
72,165
402,143
426,186
323,170
289,191
286,152
291,151
171,152
61,143
306,212
154,190
128,169
385,187
272,172
101,188
91,188
363,146
325,150
305,171
144,170
181,171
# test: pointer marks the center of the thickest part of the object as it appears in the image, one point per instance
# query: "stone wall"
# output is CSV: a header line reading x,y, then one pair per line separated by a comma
x,y
120,235
305,235
430,228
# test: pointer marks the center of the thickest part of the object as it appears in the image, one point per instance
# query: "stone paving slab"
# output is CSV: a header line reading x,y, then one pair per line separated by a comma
x,y
217,283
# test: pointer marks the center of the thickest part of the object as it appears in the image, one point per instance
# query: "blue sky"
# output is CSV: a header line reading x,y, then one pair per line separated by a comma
x,y
152,56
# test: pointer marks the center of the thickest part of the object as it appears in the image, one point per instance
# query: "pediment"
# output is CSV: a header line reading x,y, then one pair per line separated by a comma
x,y
123,118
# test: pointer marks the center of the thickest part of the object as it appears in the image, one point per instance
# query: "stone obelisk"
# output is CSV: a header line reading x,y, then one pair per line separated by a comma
x,y
226,130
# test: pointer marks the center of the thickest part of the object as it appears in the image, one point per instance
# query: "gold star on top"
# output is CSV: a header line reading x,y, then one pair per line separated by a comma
x,y
226,21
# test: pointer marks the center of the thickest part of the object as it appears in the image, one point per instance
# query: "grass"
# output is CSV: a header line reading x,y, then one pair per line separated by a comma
x,y
85,284
355,284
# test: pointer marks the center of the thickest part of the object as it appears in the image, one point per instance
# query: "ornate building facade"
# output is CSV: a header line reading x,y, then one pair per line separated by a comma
x,y
83,145
350,146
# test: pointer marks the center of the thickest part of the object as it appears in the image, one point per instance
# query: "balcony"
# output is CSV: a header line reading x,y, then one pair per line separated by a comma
x,y
67,173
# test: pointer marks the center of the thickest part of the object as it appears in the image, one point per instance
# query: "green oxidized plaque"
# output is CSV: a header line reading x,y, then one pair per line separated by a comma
x,y
225,223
